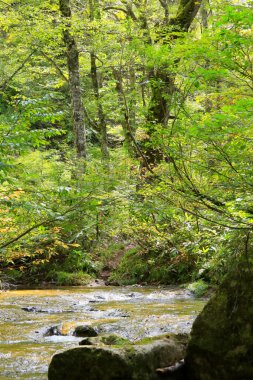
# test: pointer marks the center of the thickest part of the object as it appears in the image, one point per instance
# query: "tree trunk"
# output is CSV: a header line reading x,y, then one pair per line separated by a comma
x,y
162,81
94,12
132,102
74,80
204,18
124,110
101,116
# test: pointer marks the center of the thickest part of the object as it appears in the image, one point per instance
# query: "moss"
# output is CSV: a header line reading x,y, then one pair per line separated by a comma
x,y
114,340
198,288
179,338
72,279
222,336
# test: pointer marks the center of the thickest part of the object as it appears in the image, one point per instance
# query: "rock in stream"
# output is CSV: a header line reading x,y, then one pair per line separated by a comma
x,y
129,362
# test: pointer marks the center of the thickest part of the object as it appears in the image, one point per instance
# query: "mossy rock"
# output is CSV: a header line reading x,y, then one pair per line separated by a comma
x,y
86,342
112,339
131,362
221,344
89,363
85,331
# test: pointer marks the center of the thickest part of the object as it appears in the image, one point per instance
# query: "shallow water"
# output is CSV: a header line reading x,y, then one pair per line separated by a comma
x,y
131,312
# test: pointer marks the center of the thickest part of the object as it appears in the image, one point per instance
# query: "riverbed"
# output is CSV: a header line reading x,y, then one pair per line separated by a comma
x,y
134,313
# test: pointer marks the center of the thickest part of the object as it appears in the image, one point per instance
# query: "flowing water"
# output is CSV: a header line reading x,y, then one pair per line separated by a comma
x,y
130,312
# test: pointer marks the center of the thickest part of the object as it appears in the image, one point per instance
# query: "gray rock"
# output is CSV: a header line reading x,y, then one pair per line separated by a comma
x,y
131,362
30,309
54,330
35,309
116,313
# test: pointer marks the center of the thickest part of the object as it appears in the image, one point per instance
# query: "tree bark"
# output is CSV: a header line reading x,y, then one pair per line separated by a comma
x,y
94,13
101,116
204,16
124,110
74,80
162,81
132,87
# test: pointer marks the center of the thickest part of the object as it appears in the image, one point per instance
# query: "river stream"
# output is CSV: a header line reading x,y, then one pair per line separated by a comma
x,y
130,312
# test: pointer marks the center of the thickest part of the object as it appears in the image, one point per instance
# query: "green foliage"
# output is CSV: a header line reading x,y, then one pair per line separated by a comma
x,y
184,217
78,260
198,288
71,279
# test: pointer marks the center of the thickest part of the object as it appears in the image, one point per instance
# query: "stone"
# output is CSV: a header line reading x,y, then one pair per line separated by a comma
x,y
221,344
54,330
89,363
35,309
30,309
116,313
86,342
85,331
131,362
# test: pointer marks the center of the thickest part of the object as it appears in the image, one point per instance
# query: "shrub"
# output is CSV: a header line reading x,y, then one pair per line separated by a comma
x,y
70,279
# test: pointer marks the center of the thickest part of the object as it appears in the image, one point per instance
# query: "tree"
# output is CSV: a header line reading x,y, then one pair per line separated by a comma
x,y
95,14
162,78
74,79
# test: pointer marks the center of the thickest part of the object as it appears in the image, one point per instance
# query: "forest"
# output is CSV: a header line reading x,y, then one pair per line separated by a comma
x,y
125,140
126,189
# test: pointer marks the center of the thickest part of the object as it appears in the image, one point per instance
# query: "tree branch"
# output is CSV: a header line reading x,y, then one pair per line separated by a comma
x,y
43,223
115,9
128,11
6,4
5,83
199,215
59,70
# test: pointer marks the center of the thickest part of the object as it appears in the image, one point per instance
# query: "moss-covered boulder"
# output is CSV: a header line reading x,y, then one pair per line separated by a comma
x,y
131,362
89,363
221,344
85,331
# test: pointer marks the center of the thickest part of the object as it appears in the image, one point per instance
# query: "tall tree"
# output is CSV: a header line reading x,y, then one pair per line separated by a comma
x,y
162,78
95,14
74,80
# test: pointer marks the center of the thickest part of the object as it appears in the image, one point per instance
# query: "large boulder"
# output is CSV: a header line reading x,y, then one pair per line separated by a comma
x,y
130,362
221,344
85,331
89,363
